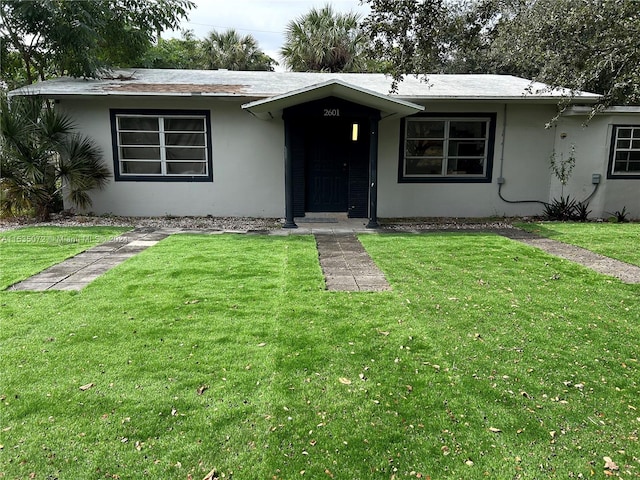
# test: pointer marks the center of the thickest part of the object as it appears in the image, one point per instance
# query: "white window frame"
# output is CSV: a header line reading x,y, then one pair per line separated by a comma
x,y
634,147
161,117
487,119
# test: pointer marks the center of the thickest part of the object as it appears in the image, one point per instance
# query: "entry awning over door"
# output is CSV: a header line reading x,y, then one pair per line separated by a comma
x,y
388,106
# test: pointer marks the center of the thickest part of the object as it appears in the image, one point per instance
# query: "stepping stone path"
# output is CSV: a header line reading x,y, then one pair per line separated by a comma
x,y
347,266
625,272
344,261
77,272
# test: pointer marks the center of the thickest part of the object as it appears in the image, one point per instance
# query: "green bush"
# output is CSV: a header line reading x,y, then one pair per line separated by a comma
x,y
41,156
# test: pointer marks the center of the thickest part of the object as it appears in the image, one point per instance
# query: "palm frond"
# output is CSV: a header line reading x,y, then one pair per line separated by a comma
x,y
325,40
54,126
41,157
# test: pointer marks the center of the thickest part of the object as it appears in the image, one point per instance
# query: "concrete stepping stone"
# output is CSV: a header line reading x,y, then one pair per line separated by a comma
x,y
623,271
346,265
77,272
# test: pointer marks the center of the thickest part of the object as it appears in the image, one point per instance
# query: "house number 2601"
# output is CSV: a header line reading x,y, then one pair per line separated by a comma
x,y
331,112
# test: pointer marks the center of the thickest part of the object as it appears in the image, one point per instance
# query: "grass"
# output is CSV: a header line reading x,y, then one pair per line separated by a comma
x,y
488,359
27,251
615,240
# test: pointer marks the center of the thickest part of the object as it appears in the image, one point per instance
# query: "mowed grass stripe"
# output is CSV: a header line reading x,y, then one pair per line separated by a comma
x,y
489,358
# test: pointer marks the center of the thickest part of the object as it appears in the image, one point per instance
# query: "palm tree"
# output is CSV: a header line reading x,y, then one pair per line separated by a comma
x,y
42,158
325,41
234,52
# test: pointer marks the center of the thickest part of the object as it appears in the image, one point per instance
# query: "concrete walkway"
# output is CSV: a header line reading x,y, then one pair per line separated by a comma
x,y
77,272
329,223
344,262
347,266
625,272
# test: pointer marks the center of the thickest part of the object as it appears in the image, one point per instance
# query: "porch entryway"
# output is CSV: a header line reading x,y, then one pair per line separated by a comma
x,y
329,141
331,147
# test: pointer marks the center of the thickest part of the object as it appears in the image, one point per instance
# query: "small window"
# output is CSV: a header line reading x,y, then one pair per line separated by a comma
x,y
447,148
153,145
624,161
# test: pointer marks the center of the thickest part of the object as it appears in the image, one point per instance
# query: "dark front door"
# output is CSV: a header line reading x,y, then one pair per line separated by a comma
x,y
327,166
329,156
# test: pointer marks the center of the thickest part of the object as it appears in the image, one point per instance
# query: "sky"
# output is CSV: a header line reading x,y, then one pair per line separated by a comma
x,y
266,20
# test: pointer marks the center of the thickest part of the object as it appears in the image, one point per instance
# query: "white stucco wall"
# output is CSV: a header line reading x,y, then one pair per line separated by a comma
x,y
248,165
592,150
520,157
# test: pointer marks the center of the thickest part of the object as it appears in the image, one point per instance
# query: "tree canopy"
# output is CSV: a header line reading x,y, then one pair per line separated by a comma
x,y
232,51
582,45
324,40
82,37
405,35
184,52
587,45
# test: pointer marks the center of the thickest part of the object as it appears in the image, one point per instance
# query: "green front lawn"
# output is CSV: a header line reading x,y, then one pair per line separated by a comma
x,y
616,240
27,251
489,359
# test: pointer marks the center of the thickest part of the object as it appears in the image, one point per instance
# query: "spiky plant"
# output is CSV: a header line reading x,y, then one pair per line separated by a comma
x,y
42,158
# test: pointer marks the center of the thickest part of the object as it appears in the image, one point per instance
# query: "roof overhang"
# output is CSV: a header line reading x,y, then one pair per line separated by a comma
x,y
273,107
579,110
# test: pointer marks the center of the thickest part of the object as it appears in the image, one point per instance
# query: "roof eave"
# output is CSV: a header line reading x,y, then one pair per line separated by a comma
x,y
520,98
579,110
273,107
99,93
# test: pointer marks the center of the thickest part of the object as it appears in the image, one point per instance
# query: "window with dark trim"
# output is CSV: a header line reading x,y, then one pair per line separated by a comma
x,y
624,159
161,145
447,148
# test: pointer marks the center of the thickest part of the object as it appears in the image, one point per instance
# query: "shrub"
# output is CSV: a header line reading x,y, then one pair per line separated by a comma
x,y
566,209
561,209
41,156
619,216
582,211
